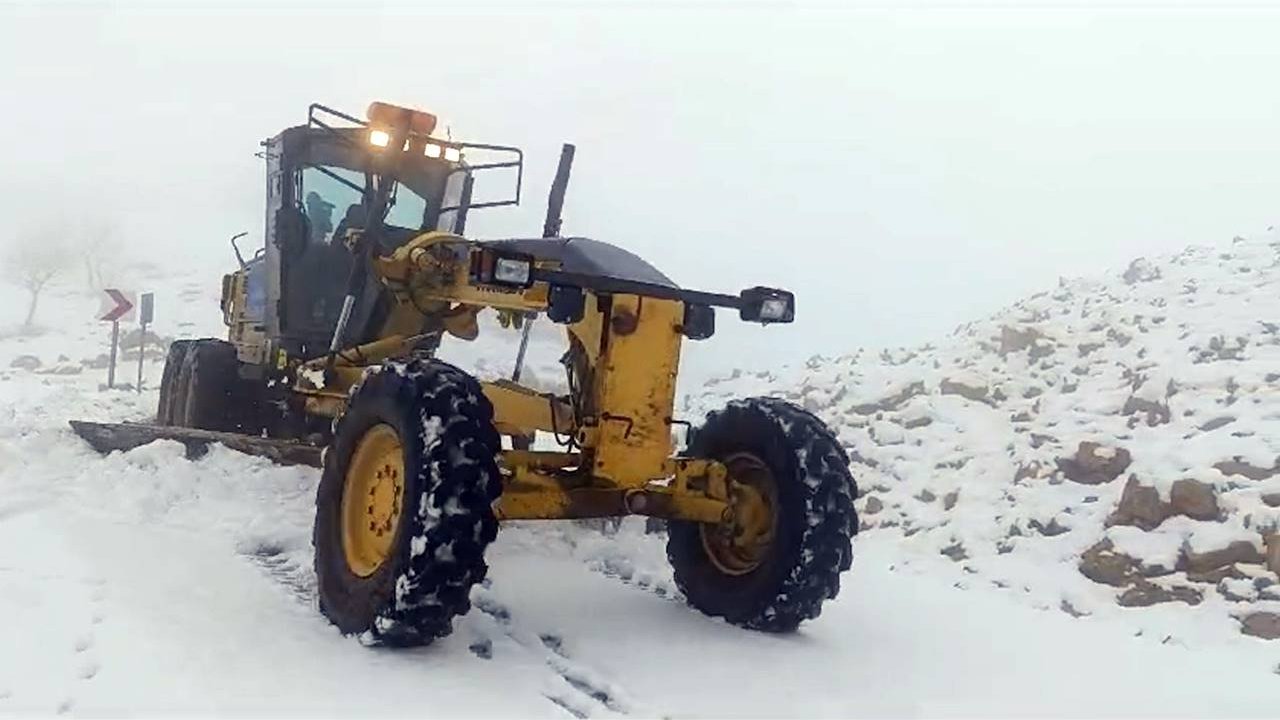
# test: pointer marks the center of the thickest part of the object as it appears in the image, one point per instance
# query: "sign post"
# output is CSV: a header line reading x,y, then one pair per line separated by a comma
x,y
146,313
115,306
115,342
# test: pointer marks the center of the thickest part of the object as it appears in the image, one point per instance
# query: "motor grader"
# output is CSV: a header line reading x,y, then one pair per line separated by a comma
x,y
333,329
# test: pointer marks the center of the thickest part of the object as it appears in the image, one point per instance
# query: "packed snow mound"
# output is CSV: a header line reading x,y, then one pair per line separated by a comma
x,y
1114,442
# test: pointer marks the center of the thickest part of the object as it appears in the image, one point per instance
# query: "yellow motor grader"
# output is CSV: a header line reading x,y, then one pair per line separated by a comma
x,y
330,359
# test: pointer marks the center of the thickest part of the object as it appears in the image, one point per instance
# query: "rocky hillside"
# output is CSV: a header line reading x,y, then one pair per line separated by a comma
x,y
1108,445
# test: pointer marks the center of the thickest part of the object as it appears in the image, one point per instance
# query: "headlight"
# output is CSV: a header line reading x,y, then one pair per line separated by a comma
x,y
773,309
488,267
379,138
450,154
512,271
767,305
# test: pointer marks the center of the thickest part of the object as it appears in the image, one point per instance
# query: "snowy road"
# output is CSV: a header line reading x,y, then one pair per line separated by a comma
x,y
147,584
201,602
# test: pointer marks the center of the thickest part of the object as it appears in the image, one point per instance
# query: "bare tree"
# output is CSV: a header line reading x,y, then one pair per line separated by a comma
x,y
33,260
101,253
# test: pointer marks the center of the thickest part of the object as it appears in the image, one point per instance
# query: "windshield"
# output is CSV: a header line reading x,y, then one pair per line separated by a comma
x,y
328,201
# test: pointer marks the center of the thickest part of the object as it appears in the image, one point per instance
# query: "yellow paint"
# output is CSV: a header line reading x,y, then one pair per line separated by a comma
x,y
372,500
625,351
518,410
635,382
741,545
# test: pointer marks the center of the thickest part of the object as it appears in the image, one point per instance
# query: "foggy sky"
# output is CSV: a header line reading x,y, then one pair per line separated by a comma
x,y
904,170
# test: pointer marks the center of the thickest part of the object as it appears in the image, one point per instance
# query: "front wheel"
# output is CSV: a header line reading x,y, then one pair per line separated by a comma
x,y
792,499
404,510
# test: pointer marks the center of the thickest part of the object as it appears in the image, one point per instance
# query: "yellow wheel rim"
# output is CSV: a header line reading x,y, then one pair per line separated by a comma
x,y
739,547
372,499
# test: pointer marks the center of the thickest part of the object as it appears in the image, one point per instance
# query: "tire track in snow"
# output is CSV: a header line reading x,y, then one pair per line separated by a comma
x,y
291,573
585,692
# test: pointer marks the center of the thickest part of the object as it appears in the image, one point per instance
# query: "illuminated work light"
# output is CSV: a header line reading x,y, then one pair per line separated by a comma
x,y
450,154
379,138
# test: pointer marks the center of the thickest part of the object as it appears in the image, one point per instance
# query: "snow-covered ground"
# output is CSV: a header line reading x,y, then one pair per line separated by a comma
x,y
146,583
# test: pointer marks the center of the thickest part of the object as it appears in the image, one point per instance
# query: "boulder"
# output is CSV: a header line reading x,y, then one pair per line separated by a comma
x,y
61,369
1102,564
1085,349
949,500
1239,551
1213,577
97,363
1143,593
1052,528
1272,556
1157,413
970,388
1142,507
1094,464
1032,470
134,338
884,433
25,362
1236,466
1039,440
1272,499
1237,590
872,506
1216,423
1141,270
1265,625
1194,499
1040,349
892,401
1017,339
1139,505
955,551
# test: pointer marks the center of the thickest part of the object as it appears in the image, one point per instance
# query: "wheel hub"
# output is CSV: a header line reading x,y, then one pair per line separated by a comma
x,y
740,546
372,499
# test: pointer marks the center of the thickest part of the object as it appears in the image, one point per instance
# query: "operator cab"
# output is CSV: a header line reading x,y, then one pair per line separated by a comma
x,y
322,180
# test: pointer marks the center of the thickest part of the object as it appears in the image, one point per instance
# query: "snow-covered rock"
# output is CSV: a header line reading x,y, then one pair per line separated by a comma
x,y
1124,428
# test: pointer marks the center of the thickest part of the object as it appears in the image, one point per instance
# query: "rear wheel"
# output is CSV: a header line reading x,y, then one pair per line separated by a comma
x,y
792,499
404,510
207,387
169,387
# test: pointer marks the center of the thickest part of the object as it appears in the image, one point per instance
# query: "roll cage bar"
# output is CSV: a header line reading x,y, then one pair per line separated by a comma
x,y
316,117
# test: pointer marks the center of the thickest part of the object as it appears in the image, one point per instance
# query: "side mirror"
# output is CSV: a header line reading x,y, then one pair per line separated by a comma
x,y
236,248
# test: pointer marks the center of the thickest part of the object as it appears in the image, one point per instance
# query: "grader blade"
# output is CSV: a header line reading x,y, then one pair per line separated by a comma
x,y
107,437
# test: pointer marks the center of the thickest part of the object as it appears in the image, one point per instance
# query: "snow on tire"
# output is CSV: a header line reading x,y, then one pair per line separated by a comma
x,y
813,528
167,409
445,428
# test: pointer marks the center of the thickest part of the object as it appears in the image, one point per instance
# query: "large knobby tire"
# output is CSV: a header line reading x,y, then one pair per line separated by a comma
x,y
799,566
169,385
208,388
450,480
